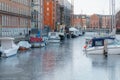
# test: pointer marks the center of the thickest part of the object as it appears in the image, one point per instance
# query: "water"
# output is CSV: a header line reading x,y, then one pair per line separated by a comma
x,y
64,61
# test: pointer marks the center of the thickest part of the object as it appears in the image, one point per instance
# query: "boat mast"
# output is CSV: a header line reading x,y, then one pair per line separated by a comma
x,y
112,11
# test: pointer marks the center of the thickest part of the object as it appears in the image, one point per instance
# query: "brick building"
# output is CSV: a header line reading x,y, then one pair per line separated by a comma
x,y
57,12
49,13
106,21
94,21
80,21
77,21
118,20
15,17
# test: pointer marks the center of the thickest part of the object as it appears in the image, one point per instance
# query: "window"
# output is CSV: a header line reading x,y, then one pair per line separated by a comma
x,y
47,3
99,43
47,9
47,14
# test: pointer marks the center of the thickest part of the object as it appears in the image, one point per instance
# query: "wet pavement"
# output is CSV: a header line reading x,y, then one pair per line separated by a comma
x,y
60,61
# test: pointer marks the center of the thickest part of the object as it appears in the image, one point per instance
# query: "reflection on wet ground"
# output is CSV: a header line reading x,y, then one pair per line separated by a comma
x,y
60,61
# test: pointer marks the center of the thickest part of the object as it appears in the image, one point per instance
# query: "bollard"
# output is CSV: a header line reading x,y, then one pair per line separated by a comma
x,y
105,49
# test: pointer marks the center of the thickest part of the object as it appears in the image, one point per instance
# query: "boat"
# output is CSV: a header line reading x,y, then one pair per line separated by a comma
x,y
101,45
53,37
74,32
106,44
8,47
24,45
37,42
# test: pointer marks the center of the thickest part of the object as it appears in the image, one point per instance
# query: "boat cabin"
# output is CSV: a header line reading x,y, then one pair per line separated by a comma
x,y
6,42
95,42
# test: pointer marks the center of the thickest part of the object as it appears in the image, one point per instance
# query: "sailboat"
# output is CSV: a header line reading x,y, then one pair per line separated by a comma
x,y
97,46
104,45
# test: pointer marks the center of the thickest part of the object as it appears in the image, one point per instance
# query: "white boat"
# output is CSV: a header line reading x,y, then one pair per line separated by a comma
x,y
53,37
8,47
97,46
74,32
24,45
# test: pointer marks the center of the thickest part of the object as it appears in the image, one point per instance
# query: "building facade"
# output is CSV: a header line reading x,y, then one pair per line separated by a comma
x,y
95,21
100,21
49,13
80,21
106,21
37,14
118,21
57,13
15,17
67,12
77,21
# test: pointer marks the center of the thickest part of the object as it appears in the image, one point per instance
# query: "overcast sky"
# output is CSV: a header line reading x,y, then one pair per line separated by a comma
x,y
93,6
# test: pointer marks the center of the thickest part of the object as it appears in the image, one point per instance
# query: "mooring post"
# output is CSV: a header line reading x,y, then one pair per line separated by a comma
x,y
105,49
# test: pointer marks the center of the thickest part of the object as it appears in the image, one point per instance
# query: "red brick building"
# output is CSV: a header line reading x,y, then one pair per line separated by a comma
x,y
49,13
79,21
106,21
100,21
15,17
95,21
118,20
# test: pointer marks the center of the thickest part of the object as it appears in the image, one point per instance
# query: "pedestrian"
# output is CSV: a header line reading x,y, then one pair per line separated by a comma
x,y
29,32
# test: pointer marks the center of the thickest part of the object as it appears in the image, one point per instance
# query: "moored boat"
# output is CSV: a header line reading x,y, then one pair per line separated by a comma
x,y
53,37
37,42
24,45
97,46
8,47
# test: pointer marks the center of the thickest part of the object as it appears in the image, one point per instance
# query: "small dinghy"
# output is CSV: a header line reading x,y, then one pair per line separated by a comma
x,y
24,45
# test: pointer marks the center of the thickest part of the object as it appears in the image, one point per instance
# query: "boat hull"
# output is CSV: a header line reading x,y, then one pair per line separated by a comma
x,y
10,52
54,40
114,50
38,44
94,50
23,48
8,47
99,50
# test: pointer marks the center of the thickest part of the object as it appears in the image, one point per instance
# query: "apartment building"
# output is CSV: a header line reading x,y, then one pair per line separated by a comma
x,y
80,21
57,12
100,21
37,14
49,13
15,17
106,21
77,21
95,21
118,21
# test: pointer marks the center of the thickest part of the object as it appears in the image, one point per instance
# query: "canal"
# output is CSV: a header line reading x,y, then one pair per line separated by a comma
x,y
60,61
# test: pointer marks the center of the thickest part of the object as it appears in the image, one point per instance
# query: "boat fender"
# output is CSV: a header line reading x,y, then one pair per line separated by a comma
x,y
85,46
